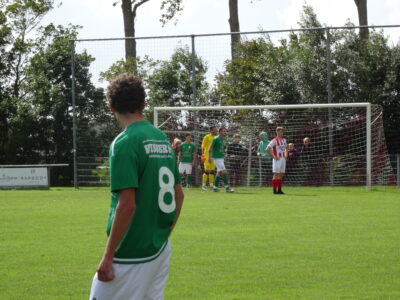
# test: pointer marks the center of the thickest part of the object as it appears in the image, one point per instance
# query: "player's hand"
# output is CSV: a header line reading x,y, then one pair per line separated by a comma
x,y
104,270
276,157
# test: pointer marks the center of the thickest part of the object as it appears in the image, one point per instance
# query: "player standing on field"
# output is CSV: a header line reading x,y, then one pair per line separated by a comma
x,y
146,200
217,150
186,159
277,148
209,166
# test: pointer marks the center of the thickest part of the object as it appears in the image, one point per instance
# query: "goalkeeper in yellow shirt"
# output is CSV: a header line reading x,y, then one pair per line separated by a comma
x,y
209,167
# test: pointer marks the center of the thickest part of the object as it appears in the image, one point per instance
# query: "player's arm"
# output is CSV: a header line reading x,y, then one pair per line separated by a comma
x,y
194,157
203,145
269,150
259,150
124,213
179,196
210,151
179,155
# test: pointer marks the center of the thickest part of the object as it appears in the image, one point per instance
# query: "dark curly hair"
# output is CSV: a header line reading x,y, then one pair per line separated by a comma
x,y
126,94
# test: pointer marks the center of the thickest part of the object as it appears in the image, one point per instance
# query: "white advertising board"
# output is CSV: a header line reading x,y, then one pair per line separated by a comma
x,y
21,177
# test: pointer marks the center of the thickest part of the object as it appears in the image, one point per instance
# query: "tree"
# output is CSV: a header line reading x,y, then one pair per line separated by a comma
x,y
24,17
141,67
17,19
45,128
234,26
368,71
170,84
362,18
294,71
6,105
129,13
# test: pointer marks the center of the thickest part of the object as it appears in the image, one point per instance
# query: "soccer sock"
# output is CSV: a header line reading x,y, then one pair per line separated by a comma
x,y
205,177
189,180
274,183
216,181
211,178
182,179
225,179
279,184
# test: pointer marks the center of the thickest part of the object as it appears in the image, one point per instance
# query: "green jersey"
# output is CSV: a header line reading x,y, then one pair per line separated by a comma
x,y
262,147
187,150
218,144
142,158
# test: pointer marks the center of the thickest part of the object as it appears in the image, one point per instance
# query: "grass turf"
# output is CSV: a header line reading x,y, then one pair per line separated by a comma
x,y
312,243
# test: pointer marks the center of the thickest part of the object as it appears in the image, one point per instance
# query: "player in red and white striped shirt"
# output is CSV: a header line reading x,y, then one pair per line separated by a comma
x,y
278,149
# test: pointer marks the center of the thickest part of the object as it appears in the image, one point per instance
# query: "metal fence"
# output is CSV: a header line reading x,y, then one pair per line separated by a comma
x,y
214,49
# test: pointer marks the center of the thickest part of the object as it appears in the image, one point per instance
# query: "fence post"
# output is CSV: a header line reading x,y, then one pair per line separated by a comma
x,y
249,161
193,71
328,64
398,169
329,88
76,185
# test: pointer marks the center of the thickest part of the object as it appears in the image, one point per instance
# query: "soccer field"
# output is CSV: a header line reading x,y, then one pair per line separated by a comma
x,y
312,243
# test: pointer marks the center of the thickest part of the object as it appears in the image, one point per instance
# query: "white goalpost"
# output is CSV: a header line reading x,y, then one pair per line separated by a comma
x,y
347,145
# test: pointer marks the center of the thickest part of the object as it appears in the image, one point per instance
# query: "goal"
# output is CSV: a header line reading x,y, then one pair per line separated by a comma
x,y
346,141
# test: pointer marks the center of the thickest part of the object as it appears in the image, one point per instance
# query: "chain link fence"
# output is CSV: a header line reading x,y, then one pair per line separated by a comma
x,y
92,135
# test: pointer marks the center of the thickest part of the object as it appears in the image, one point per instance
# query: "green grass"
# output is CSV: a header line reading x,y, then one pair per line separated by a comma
x,y
312,243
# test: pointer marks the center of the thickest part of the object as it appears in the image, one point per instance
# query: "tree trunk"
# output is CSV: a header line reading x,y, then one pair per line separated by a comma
x,y
129,29
362,18
234,25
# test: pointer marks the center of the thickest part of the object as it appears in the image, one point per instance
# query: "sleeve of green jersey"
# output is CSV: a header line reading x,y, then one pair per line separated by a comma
x,y
213,142
124,170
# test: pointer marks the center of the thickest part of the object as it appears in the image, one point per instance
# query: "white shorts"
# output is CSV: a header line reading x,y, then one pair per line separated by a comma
x,y
219,163
135,281
185,168
279,166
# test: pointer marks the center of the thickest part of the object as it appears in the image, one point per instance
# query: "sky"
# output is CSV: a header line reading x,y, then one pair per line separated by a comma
x,y
100,19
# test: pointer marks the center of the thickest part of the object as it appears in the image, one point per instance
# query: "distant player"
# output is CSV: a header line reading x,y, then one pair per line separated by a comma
x,y
186,159
146,199
265,158
217,154
278,149
209,166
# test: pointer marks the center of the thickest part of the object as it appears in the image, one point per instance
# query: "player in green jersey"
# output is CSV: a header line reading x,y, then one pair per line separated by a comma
x,y
186,159
146,200
217,154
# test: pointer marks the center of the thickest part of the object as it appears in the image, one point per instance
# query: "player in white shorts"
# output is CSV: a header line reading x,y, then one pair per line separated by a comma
x,y
186,160
146,199
217,154
278,149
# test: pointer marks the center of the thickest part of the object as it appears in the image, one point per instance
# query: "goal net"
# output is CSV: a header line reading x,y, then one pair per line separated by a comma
x,y
333,144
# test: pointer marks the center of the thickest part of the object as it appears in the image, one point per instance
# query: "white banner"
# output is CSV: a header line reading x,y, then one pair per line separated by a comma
x,y
20,177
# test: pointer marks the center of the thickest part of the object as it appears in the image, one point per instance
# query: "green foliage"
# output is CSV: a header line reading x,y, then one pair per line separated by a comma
x,y
170,9
368,71
36,115
170,84
17,19
47,108
294,71
140,67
